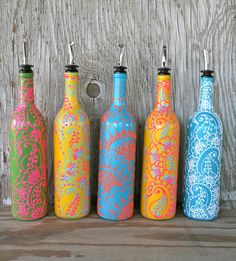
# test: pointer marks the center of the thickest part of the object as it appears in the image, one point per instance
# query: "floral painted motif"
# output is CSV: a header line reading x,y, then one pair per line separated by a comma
x,y
28,176
203,156
117,157
71,155
160,159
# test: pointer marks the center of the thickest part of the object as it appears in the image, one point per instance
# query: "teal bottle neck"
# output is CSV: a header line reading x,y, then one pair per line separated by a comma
x,y
119,93
206,97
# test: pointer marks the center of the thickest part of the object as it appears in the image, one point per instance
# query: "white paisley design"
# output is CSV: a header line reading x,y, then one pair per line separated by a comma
x,y
203,156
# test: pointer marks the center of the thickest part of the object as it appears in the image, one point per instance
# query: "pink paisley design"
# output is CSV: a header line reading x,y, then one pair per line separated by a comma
x,y
28,177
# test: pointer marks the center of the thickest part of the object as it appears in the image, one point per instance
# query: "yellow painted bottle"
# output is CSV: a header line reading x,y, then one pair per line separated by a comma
x,y
161,153
71,152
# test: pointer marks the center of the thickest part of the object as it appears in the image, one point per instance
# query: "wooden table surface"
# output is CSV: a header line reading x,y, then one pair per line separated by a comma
x,y
93,238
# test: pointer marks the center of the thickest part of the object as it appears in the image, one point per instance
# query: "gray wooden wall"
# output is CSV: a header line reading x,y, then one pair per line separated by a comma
x,y
97,27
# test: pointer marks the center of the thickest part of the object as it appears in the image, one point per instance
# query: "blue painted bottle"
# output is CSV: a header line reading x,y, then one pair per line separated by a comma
x,y
203,154
117,154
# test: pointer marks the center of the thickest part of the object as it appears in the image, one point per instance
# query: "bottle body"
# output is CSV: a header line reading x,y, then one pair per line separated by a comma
x,y
160,158
203,156
117,157
28,174
71,155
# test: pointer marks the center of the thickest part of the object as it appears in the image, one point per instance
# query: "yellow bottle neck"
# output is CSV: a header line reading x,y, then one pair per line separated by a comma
x,y
71,83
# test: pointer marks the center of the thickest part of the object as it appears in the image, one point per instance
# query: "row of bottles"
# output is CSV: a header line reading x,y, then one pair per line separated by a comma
x,y
28,176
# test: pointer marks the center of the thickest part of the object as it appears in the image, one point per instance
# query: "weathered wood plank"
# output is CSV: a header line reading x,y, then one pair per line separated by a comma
x,y
93,238
97,26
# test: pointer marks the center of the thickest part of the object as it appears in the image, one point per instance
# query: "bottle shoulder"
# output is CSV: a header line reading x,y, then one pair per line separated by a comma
x,y
74,115
205,122
24,116
205,116
118,114
155,117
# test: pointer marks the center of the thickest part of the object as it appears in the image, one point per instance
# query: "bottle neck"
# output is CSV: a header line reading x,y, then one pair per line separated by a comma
x,y
26,89
163,91
206,97
71,83
119,94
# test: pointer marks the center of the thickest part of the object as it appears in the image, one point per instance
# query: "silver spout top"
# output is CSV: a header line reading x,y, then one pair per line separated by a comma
x,y
71,54
164,56
122,52
206,53
25,53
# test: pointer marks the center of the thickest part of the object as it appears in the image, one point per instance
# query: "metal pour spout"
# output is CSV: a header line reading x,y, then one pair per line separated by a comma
x,y
25,53
122,52
206,53
71,54
164,56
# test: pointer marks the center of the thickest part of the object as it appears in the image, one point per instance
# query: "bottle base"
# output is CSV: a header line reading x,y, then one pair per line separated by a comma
x,y
114,219
71,217
29,219
158,219
200,219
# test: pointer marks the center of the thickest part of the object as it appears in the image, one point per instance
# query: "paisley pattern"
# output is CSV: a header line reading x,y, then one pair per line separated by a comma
x,y
160,159
203,156
117,157
71,155
28,176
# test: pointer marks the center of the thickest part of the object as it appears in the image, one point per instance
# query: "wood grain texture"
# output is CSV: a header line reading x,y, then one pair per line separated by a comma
x,y
97,27
93,238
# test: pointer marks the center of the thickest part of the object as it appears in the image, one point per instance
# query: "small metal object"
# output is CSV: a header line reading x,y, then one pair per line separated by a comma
x,y
71,54
122,52
206,53
25,53
164,56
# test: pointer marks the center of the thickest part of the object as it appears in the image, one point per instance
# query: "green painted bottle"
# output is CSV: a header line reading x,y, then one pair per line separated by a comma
x,y
27,135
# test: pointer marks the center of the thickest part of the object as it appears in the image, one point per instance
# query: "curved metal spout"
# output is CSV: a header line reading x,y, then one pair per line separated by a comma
x,y
206,53
71,54
164,56
122,52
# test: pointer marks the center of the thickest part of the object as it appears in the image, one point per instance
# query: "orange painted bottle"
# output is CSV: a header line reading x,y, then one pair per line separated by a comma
x,y
161,153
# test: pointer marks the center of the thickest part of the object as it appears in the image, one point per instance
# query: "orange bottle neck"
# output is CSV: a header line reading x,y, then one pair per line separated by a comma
x,y
163,91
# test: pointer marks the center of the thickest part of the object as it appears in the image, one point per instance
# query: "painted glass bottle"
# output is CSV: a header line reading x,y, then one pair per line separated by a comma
x,y
117,154
161,153
27,135
71,152
203,154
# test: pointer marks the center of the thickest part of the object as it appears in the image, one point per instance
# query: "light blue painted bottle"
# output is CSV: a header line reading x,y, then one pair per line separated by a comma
x,y
203,155
117,154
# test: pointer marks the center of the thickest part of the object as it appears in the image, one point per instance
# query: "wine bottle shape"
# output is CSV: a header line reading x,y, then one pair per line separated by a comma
x,y
71,151
203,154
117,153
27,136
161,153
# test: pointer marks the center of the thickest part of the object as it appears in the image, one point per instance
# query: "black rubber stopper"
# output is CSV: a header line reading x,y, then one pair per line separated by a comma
x,y
163,71
120,69
71,68
26,68
207,73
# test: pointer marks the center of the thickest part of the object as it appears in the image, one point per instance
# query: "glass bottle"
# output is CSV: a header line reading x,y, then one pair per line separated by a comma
x,y
117,154
203,154
27,135
71,152
161,153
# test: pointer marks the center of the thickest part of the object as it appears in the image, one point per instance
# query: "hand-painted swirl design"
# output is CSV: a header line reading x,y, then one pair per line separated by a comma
x,y
117,158
71,155
160,159
203,155
28,176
